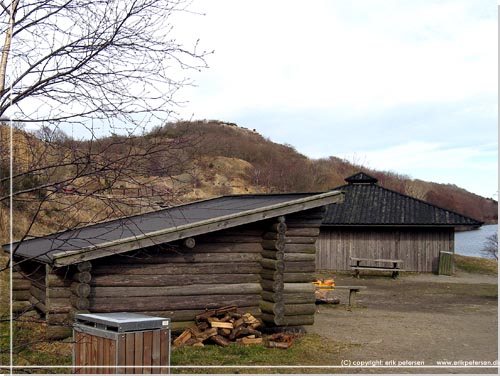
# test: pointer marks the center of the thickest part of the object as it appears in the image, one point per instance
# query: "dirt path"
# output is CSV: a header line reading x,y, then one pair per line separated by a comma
x,y
424,318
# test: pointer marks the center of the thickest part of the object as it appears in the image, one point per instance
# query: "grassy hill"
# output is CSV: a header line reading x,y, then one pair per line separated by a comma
x,y
64,183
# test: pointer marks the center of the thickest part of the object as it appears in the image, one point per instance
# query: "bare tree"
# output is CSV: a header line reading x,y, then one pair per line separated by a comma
x,y
490,248
80,61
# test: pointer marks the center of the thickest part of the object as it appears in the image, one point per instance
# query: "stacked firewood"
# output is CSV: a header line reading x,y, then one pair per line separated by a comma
x,y
222,327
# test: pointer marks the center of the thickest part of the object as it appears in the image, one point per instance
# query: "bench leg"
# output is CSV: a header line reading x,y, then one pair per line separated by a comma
x,y
352,298
395,274
356,273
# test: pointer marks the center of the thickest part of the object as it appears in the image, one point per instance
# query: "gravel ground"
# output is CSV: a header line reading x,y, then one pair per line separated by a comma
x,y
418,317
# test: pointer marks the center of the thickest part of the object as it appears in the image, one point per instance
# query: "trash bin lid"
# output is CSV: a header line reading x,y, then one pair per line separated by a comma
x,y
121,321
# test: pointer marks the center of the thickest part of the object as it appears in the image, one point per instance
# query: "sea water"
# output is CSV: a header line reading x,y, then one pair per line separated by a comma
x,y
470,243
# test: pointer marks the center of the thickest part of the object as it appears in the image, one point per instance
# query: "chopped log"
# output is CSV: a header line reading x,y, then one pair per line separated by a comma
x,y
273,264
178,269
219,340
189,314
249,318
80,289
183,338
207,334
215,312
225,332
85,266
277,345
238,323
249,341
82,277
79,303
273,255
189,243
226,325
242,331
302,232
172,280
274,245
273,308
208,289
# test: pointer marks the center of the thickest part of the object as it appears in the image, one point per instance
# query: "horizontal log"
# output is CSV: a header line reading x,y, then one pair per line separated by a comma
x,y
82,277
57,332
178,269
80,289
85,266
189,314
299,257
300,239
274,255
269,285
303,223
38,294
171,280
298,277
288,320
288,298
299,309
273,308
193,257
183,290
38,304
273,236
272,275
274,245
279,227
302,232
58,292
223,248
59,305
21,295
59,318
221,238
273,264
299,266
300,248
58,280
20,284
298,288
200,302
21,306
79,303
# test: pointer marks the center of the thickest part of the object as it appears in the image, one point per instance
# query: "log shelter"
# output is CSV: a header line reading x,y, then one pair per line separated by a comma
x,y
253,251
377,223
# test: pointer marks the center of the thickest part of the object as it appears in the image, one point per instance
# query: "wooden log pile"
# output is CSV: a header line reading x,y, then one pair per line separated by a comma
x,y
222,327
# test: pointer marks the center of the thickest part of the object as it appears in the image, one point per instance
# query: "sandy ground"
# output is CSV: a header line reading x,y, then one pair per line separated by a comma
x,y
424,318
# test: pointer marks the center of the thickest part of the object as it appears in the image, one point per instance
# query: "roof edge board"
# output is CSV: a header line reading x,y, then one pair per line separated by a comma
x,y
194,229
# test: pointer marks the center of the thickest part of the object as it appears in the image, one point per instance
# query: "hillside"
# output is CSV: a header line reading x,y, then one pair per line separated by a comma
x,y
64,183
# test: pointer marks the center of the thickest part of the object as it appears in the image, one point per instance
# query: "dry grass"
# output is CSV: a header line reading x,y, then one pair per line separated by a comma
x,y
476,264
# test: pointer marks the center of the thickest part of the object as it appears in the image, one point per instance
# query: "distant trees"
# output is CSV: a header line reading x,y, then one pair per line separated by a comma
x,y
490,248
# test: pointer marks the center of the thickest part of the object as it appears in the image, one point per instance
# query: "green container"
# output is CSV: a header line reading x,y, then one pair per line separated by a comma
x,y
445,263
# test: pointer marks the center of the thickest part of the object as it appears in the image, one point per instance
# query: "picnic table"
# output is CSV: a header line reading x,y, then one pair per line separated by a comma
x,y
358,263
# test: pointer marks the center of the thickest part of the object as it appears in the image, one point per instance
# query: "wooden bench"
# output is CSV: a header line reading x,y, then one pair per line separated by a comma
x,y
353,290
394,266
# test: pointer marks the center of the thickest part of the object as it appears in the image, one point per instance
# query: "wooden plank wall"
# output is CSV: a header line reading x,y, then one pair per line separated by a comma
x,y
419,248
222,269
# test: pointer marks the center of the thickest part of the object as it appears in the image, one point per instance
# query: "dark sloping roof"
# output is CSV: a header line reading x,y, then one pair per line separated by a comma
x,y
164,225
366,203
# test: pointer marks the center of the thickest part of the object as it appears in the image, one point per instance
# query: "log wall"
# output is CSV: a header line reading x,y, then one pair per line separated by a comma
x,y
418,248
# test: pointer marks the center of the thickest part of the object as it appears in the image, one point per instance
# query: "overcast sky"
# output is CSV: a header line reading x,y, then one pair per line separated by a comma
x,y
406,86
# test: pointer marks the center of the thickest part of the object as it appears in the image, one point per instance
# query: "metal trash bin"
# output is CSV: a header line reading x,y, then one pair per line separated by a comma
x,y
121,343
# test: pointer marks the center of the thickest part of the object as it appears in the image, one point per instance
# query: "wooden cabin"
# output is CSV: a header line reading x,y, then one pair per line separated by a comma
x,y
377,223
253,251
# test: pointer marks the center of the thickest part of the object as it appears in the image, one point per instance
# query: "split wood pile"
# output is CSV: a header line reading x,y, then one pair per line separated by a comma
x,y
222,327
